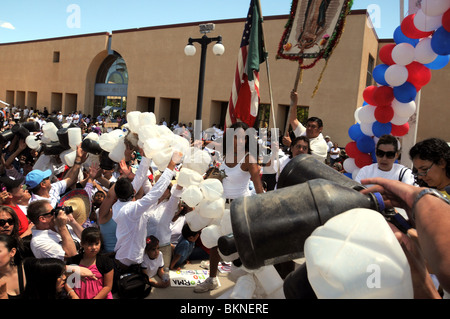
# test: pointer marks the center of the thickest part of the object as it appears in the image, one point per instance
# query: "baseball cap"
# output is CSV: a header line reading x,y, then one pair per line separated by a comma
x,y
11,182
36,176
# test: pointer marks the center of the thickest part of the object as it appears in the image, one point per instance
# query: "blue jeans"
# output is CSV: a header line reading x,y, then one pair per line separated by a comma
x,y
184,248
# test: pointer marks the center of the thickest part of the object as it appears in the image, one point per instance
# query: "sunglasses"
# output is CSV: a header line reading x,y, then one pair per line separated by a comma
x,y
52,212
3,222
416,174
380,154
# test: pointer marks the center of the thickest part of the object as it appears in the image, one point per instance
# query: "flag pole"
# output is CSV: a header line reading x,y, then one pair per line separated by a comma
x,y
267,68
297,80
270,86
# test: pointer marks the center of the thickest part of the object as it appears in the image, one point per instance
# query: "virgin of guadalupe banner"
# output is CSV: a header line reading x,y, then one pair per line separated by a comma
x,y
313,30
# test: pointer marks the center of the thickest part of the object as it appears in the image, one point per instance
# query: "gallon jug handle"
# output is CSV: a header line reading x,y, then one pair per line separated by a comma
x,y
380,201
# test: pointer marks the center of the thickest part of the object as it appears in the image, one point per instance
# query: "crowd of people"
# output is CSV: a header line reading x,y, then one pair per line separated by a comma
x,y
134,221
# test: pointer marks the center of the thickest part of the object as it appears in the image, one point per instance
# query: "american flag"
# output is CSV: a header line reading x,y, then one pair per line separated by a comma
x,y
244,99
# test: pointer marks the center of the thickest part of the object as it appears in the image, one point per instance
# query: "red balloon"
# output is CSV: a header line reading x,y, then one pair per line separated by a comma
x,y
386,53
383,95
352,150
363,160
368,94
418,74
400,130
384,114
409,29
446,20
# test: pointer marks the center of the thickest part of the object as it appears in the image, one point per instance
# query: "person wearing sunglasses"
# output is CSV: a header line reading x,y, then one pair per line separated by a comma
x,y
16,190
431,161
56,234
9,222
387,153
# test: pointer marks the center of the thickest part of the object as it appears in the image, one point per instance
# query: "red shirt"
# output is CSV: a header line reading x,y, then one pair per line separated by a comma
x,y
23,219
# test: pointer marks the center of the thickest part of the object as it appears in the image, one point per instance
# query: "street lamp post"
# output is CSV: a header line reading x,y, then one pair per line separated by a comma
x,y
189,50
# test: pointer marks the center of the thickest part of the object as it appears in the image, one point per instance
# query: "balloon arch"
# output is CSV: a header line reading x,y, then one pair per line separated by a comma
x,y
422,44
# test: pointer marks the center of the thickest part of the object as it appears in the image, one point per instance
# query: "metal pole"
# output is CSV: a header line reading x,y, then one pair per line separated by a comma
x,y
201,78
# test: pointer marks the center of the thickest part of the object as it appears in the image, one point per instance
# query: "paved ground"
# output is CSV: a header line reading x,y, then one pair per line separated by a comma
x,y
225,279
227,282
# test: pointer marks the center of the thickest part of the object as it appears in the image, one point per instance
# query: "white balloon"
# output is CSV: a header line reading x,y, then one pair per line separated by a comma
x,y
427,23
367,114
355,173
356,114
403,54
349,165
423,53
399,120
396,75
434,8
403,109
366,128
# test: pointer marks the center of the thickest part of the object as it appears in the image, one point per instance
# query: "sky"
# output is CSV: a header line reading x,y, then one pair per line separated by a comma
x,y
24,20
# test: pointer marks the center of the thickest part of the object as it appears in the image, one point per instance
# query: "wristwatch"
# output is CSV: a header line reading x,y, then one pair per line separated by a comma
x,y
427,191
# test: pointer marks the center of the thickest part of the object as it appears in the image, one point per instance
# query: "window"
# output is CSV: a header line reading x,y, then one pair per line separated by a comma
x,y
56,57
370,67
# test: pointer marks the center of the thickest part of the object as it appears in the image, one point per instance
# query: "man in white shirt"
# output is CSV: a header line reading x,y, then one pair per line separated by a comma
x,y
39,184
56,234
313,130
76,118
131,216
387,153
69,118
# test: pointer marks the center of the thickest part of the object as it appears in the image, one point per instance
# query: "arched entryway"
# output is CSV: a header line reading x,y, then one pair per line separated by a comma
x,y
111,86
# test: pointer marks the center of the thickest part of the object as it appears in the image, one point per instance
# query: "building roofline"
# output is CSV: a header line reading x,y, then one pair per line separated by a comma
x,y
234,20
58,38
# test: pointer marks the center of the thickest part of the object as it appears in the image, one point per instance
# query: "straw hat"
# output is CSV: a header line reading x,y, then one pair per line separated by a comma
x,y
81,205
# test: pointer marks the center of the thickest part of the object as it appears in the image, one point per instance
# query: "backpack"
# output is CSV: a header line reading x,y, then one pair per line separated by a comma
x,y
133,286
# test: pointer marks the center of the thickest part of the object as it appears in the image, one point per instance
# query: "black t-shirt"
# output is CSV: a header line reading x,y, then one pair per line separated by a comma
x,y
104,263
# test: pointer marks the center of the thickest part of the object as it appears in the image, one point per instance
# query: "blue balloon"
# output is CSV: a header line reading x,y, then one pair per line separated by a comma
x,y
440,41
349,175
365,144
378,74
440,62
355,132
380,129
405,93
399,37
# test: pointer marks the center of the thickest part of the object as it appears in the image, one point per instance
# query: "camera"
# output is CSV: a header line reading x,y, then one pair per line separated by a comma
x,y
67,210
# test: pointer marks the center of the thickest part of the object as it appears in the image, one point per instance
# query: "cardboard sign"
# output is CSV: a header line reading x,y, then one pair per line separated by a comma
x,y
188,278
